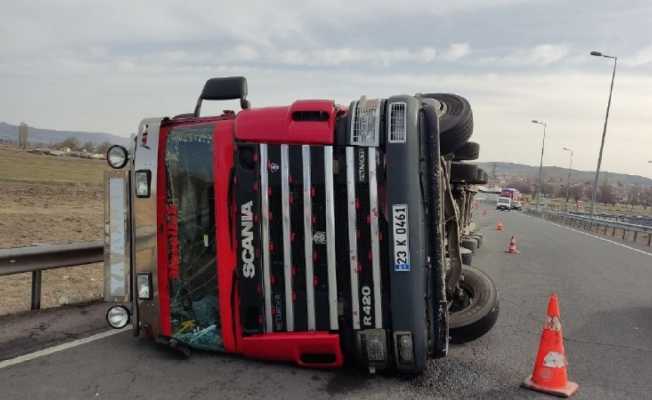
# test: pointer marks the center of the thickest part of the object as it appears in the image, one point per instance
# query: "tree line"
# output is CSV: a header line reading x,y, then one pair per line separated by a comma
x,y
74,144
635,195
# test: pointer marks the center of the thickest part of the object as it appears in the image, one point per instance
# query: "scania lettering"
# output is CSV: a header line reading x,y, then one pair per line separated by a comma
x,y
247,235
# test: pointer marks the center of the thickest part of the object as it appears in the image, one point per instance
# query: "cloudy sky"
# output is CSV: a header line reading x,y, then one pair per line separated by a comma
x,y
102,66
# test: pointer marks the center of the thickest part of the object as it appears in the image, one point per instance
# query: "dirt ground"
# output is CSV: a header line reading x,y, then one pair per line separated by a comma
x,y
36,212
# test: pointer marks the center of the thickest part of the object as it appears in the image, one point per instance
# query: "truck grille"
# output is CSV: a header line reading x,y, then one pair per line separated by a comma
x,y
313,254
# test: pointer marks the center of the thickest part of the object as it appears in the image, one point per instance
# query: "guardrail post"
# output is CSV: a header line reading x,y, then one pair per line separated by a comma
x,y
624,233
613,232
649,239
635,236
36,290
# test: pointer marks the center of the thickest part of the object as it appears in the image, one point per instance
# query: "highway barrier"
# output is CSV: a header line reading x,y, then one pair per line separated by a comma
x,y
641,234
35,259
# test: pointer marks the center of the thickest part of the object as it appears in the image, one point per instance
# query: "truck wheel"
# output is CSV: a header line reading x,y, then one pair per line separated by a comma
x,y
467,256
455,120
478,238
468,151
468,173
463,173
482,178
470,244
475,311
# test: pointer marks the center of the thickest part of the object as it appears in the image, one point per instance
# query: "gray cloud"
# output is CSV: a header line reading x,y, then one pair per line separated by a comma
x,y
642,57
104,66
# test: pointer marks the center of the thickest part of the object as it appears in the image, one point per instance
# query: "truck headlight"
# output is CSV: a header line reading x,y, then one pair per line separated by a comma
x,y
404,347
142,182
372,347
144,286
117,156
118,316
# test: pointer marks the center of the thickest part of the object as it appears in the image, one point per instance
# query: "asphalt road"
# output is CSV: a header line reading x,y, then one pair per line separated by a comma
x,y
606,305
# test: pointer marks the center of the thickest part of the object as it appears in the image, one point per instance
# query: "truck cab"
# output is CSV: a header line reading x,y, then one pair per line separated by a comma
x,y
310,233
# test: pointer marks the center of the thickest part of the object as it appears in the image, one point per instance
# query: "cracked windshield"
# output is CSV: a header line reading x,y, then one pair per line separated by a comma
x,y
190,227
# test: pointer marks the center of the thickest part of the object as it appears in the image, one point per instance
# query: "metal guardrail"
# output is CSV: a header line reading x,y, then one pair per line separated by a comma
x,y
35,259
590,223
612,222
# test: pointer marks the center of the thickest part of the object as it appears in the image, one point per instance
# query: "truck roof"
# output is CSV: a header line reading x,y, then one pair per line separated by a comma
x,y
304,121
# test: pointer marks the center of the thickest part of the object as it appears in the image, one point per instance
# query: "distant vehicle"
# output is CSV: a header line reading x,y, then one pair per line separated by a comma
x,y
514,195
504,203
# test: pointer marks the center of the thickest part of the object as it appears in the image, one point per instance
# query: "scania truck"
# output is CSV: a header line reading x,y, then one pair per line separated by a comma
x,y
311,233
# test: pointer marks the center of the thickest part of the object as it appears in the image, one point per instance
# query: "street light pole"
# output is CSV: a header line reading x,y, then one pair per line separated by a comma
x,y
543,145
604,129
570,166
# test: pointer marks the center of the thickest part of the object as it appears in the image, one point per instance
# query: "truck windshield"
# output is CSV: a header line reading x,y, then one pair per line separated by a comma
x,y
192,269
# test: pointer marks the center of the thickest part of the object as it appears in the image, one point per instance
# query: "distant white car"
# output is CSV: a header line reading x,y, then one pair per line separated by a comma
x,y
504,203
516,205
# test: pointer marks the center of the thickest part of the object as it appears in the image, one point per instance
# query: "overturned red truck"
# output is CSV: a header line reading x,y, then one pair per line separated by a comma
x,y
311,233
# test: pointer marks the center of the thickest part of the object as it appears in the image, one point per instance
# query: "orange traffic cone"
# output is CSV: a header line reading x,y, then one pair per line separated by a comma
x,y
499,226
512,249
550,375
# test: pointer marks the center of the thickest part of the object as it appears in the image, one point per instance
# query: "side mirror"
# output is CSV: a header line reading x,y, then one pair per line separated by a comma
x,y
230,88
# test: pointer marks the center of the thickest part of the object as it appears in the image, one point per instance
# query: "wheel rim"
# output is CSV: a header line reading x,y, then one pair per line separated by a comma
x,y
464,299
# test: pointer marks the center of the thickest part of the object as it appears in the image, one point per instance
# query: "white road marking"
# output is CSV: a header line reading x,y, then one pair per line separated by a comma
x,y
599,238
60,347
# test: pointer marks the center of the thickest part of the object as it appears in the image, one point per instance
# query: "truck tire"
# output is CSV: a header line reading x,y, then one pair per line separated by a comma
x,y
468,151
455,120
470,244
468,173
463,173
478,238
467,256
482,177
476,312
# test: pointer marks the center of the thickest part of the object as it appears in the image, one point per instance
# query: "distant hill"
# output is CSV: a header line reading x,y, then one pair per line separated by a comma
x,y
559,174
51,136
